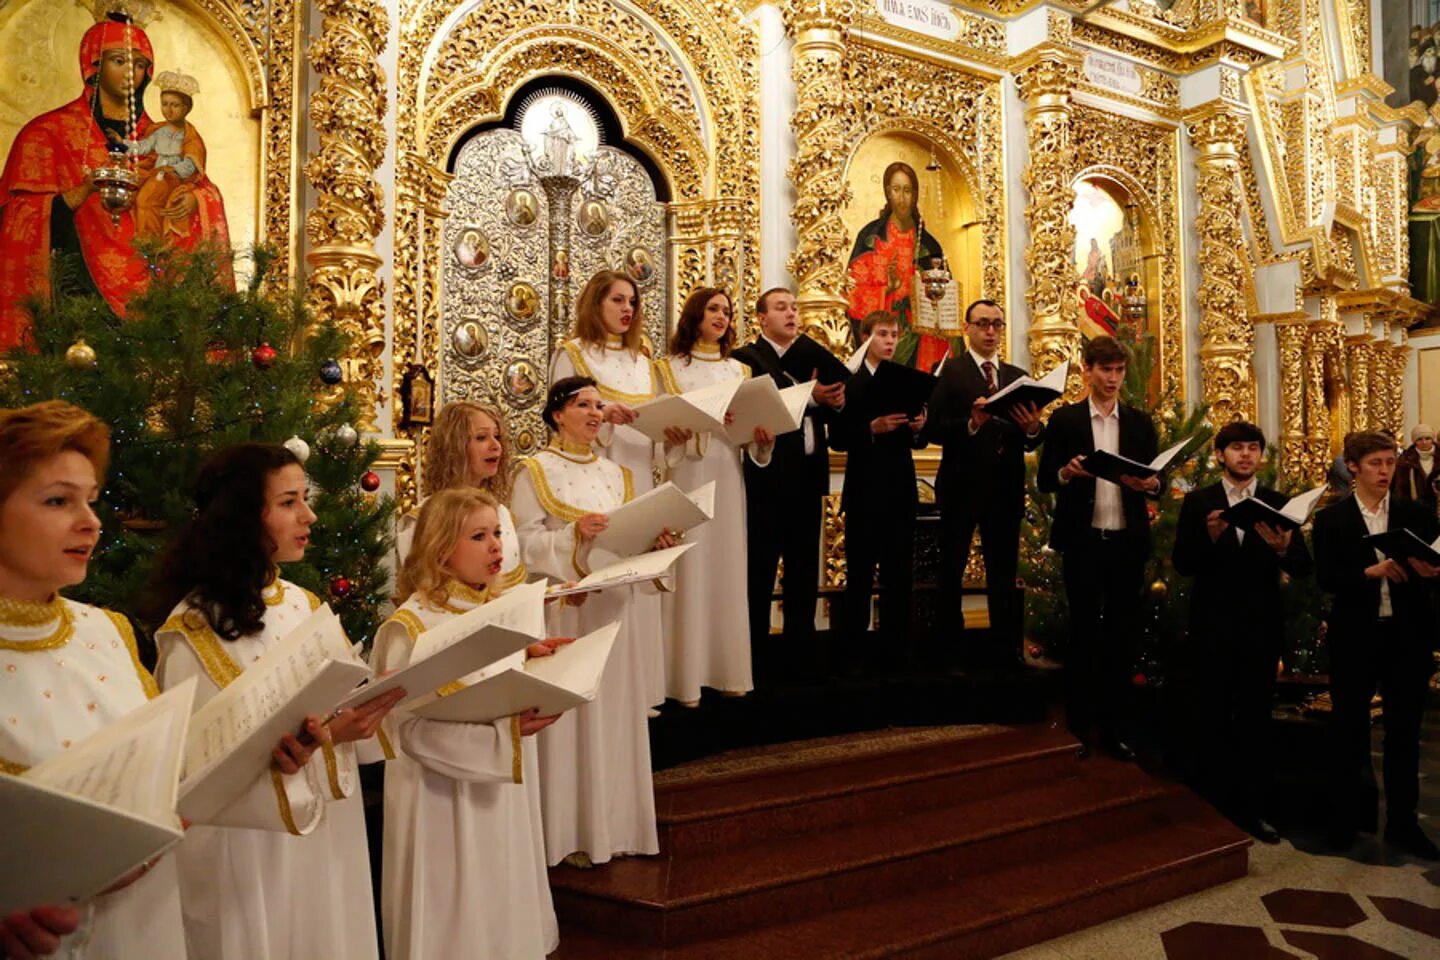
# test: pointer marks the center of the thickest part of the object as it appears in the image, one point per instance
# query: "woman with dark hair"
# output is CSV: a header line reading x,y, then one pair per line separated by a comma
x,y
595,786
706,648
887,252
297,835
69,670
608,347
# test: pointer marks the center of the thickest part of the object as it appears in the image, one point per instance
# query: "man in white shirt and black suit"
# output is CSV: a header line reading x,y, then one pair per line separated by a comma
x,y
981,481
1102,531
783,498
1380,634
1236,628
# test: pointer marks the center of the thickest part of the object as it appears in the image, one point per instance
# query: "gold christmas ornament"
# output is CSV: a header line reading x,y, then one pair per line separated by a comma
x,y
1158,589
81,355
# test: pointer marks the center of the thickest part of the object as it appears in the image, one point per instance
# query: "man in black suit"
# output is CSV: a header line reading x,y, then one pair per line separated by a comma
x,y
879,501
1237,625
1102,531
982,479
1381,629
783,498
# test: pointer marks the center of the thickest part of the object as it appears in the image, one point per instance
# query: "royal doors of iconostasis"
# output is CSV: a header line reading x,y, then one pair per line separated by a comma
x,y
537,205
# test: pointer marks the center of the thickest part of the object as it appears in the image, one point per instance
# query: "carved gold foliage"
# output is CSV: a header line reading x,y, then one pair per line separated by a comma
x,y
832,545
1291,337
347,110
1227,339
281,210
1360,351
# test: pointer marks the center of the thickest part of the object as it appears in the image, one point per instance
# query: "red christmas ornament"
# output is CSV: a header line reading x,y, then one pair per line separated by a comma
x,y
1034,651
370,482
340,587
263,356
1139,680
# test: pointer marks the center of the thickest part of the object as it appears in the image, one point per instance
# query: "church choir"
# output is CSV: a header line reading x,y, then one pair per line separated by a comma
x,y
474,813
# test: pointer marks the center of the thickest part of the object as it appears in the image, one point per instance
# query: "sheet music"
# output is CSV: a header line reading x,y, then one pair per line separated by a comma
x,y
701,410
857,359
759,403
1054,380
638,569
520,610
1298,507
635,525
1168,454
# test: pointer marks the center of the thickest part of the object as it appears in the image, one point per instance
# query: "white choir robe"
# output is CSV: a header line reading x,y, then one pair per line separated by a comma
x,y
595,783
512,568
464,863
68,670
284,872
707,633
624,376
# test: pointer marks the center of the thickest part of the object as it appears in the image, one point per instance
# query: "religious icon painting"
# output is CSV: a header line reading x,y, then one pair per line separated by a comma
x,y
526,442
417,397
522,207
560,267
640,266
470,340
522,383
472,249
522,303
592,218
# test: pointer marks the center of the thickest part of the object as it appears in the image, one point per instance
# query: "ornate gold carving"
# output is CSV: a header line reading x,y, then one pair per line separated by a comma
x,y
1044,83
832,545
1290,336
347,109
281,210
978,38
1227,339
1364,378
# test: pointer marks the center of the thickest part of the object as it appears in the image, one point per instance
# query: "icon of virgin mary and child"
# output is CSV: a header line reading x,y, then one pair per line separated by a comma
x,y
888,251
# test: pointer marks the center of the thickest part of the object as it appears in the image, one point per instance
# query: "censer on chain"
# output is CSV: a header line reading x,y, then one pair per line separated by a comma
x,y
118,183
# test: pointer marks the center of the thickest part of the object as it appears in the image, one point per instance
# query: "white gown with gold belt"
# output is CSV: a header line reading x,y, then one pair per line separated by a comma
x,y
595,783
284,872
66,671
624,376
464,863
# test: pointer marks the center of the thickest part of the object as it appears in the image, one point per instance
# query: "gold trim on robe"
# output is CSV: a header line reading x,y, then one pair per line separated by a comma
x,y
127,633
576,354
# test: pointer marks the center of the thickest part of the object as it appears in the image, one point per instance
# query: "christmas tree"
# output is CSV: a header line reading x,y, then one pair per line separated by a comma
x,y
195,366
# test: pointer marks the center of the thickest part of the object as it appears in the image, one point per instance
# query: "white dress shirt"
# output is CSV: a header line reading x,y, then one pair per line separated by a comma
x,y
806,424
1379,522
1234,494
1105,429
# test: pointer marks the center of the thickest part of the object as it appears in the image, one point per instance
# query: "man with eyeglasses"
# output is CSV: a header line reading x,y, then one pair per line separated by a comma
x,y
981,482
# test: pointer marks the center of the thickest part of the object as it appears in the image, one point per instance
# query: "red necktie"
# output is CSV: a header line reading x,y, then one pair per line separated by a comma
x,y
989,370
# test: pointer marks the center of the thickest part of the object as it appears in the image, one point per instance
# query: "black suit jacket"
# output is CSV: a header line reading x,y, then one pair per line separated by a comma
x,y
1237,584
790,468
1068,436
1341,557
880,469
984,472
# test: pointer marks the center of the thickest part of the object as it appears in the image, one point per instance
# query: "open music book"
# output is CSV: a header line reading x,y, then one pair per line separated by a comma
x,y
1292,516
562,681
638,569
464,644
1112,466
74,824
895,388
1402,544
1041,393
759,403
231,737
634,526
702,411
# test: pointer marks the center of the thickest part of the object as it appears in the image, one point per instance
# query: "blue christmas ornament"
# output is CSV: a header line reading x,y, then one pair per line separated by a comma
x,y
330,372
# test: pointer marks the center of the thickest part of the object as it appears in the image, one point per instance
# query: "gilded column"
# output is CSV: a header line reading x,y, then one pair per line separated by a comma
x,y
1359,352
347,110
1321,337
1393,388
821,124
1045,78
1290,335
1227,338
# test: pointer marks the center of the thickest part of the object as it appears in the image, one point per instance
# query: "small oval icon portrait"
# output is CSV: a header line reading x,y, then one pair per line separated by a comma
x,y
639,265
592,218
521,382
521,207
470,340
525,441
560,268
472,249
522,302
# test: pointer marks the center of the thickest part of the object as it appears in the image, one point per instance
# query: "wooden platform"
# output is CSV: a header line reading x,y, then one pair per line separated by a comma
x,y
952,842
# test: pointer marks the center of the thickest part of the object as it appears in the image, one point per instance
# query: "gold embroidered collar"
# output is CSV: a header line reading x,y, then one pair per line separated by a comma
x,y
462,592
34,626
273,593
571,450
614,341
709,352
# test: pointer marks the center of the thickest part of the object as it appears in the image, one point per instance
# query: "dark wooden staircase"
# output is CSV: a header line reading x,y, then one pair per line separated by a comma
x,y
950,843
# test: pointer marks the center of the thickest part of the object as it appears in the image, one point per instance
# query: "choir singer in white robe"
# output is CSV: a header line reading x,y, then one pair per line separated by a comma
x,y
595,784
464,870
706,644
67,670
608,346
284,872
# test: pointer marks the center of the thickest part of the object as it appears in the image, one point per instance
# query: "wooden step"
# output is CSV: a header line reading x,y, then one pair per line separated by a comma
x,y
980,916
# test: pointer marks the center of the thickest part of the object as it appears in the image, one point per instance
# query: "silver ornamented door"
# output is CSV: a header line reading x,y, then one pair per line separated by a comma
x,y
531,214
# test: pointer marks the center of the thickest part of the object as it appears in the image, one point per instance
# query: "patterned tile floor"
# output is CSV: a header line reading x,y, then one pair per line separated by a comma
x,y
1298,901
